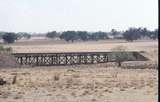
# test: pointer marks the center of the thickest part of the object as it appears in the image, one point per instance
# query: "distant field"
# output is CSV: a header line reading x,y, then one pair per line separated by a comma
x,y
61,46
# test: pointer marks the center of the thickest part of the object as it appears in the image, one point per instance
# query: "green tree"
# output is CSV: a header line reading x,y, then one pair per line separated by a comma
x,y
27,36
1,34
52,34
114,32
94,36
21,35
83,35
9,37
98,36
102,35
132,34
154,34
69,36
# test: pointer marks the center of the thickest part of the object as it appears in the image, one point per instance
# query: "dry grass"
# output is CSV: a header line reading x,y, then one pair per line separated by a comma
x,y
79,85
82,46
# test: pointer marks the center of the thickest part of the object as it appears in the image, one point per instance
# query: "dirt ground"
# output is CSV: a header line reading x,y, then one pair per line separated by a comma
x,y
82,83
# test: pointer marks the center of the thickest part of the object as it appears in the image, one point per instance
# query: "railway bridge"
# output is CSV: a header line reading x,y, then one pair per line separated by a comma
x,y
75,58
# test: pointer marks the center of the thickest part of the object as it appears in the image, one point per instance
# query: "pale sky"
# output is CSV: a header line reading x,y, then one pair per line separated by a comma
x,y
90,15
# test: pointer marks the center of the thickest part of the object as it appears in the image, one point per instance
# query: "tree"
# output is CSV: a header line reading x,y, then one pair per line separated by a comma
x,y
102,35
52,34
114,32
154,34
21,35
69,36
132,34
83,35
9,37
1,34
94,36
27,36
128,36
144,32
120,54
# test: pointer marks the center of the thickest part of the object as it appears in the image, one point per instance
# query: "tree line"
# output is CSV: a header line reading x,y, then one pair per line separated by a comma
x,y
130,34
11,37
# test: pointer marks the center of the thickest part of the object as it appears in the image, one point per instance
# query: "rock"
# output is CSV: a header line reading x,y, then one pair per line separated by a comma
x,y
2,82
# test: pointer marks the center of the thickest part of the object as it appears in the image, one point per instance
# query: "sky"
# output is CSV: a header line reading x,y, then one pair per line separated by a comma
x,y
89,15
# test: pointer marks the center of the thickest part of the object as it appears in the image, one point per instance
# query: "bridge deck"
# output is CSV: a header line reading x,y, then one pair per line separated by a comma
x,y
72,58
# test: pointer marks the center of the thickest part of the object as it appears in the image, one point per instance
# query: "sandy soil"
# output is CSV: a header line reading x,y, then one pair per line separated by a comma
x,y
80,84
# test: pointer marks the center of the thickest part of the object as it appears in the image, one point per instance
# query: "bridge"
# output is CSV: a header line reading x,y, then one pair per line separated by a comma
x,y
74,58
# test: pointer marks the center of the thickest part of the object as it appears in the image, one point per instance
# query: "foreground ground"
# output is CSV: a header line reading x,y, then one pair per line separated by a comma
x,y
95,83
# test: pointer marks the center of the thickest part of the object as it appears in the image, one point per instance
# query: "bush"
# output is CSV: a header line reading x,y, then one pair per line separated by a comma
x,y
1,48
5,50
6,60
120,54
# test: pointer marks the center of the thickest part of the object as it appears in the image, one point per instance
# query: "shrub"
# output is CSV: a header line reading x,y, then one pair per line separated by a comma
x,y
6,60
1,48
120,54
5,50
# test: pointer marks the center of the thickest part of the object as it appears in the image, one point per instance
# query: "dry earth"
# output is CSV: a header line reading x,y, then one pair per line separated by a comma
x,y
80,84
84,83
